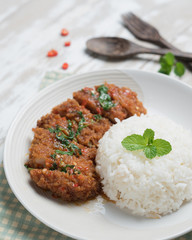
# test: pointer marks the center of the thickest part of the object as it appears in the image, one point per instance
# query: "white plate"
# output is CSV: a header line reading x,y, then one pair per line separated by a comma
x,y
160,94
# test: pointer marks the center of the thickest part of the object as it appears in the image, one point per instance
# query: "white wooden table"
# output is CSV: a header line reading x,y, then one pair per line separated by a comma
x,y
28,29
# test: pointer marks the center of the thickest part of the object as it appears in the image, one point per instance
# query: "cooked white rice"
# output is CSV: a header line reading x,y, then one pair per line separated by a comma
x,y
148,187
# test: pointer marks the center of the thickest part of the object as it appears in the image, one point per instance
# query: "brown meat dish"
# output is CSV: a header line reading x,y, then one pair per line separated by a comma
x,y
44,145
63,150
125,100
69,187
70,109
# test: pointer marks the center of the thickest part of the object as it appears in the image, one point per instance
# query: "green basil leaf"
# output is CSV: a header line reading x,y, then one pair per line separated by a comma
x,y
163,147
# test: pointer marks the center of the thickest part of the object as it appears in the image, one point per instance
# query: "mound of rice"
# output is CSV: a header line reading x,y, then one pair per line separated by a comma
x,y
147,187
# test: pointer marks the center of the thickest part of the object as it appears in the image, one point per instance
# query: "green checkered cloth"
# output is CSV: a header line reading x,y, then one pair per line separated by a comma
x,y
16,223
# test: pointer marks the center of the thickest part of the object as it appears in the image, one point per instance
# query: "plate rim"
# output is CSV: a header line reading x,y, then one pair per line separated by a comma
x,y
39,95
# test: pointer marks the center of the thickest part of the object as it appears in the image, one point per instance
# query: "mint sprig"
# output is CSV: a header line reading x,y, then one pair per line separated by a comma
x,y
168,62
179,69
150,147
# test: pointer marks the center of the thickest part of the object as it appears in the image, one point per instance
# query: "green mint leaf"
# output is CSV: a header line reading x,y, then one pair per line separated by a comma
x,y
163,147
150,151
169,58
167,62
149,135
165,69
134,142
179,69
151,147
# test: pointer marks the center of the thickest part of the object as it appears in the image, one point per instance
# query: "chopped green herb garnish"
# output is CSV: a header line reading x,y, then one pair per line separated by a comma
x,y
80,127
54,166
70,153
168,62
74,148
60,134
64,139
75,171
51,130
71,133
69,124
104,98
103,89
81,115
28,168
151,147
81,123
53,156
97,117
64,169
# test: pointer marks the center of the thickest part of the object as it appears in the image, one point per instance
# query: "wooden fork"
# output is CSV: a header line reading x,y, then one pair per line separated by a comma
x,y
146,32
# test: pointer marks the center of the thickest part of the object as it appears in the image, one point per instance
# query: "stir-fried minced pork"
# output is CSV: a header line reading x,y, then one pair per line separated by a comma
x,y
44,145
92,126
52,120
63,150
74,175
127,99
86,98
124,102
71,110
70,187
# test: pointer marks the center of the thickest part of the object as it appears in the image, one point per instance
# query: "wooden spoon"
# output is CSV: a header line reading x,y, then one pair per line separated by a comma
x,y
114,47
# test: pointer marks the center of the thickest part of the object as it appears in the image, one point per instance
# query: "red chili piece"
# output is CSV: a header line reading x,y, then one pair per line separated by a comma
x,y
65,66
87,89
64,32
52,53
67,44
75,185
98,110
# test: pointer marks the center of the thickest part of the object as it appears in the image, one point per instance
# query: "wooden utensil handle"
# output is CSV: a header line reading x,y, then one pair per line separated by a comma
x,y
164,43
161,51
